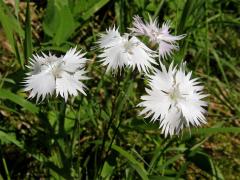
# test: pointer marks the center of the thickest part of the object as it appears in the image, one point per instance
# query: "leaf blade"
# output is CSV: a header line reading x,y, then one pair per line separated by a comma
x,y
5,94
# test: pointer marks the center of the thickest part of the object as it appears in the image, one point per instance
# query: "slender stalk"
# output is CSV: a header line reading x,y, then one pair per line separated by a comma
x,y
63,143
111,119
28,34
158,9
61,119
117,114
207,39
6,168
112,140
75,137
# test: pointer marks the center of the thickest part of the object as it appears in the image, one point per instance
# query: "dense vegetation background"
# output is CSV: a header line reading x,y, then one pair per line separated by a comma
x,y
31,143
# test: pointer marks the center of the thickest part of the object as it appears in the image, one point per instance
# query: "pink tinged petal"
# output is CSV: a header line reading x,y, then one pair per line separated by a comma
x,y
156,34
166,49
165,27
139,28
170,38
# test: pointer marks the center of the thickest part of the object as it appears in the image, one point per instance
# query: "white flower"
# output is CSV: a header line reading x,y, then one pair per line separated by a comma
x,y
111,37
51,74
174,99
161,36
124,51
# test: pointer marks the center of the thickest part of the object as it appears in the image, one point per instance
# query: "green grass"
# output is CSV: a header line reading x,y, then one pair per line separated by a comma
x,y
101,136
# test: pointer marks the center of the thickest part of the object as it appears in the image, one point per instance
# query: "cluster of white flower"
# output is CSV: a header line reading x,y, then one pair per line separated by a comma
x,y
123,51
173,98
61,74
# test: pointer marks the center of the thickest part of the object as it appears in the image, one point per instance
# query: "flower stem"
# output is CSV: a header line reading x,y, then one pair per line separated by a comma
x,y
117,107
6,168
61,119
111,118
112,140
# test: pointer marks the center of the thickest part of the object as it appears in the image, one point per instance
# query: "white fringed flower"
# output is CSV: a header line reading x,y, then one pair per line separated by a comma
x,y
51,74
174,99
161,36
124,51
111,37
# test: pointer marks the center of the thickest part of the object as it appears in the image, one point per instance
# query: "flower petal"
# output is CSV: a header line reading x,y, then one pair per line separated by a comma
x,y
40,85
69,84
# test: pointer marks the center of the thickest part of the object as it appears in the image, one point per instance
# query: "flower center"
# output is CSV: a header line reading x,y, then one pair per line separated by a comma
x,y
160,36
56,68
53,65
175,94
128,46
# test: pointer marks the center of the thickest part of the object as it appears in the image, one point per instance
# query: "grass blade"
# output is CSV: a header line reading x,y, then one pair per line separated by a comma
x,y
220,65
5,94
6,169
185,14
28,34
133,162
18,54
11,138
98,5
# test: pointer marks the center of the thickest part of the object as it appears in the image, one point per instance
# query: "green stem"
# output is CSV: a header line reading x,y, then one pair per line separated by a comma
x,y
116,113
111,119
158,9
61,119
63,143
6,169
112,140
207,43
75,137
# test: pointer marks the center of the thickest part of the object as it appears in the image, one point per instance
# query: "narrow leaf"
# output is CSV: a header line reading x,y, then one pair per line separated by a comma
x,y
28,34
5,94
133,162
11,138
97,5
